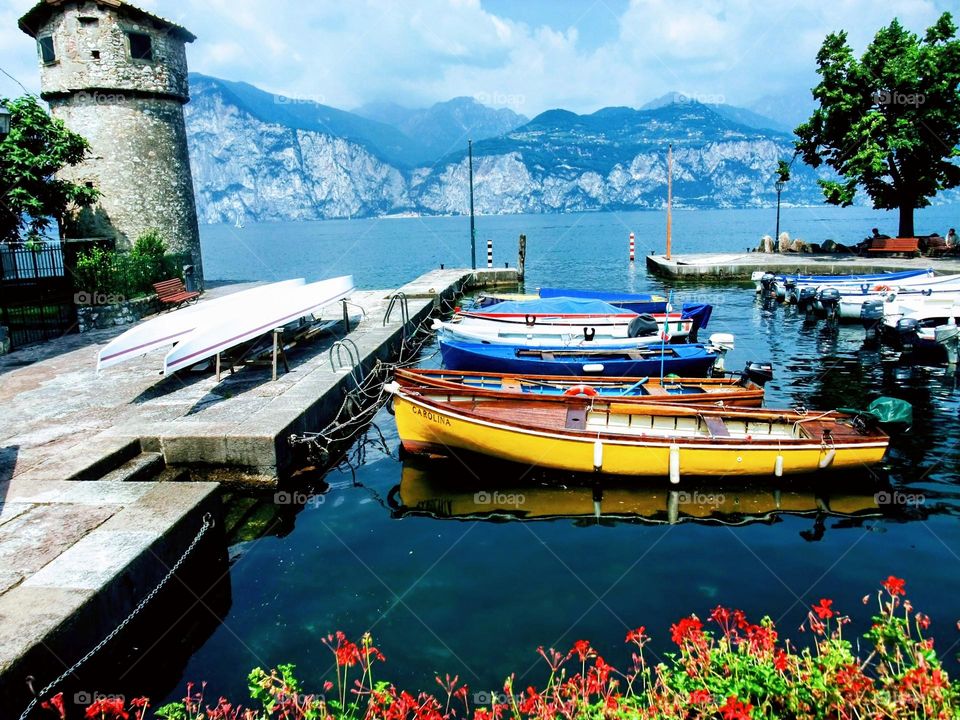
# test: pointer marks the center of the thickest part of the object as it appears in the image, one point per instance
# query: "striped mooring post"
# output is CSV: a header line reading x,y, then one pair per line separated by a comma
x,y
489,253
632,247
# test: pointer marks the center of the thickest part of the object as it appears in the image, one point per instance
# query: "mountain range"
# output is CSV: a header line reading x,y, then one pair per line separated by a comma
x,y
267,157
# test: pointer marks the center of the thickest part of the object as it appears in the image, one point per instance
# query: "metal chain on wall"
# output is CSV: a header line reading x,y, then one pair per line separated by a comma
x,y
208,523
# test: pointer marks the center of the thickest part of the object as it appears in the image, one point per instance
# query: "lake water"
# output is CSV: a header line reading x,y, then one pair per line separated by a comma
x,y
398,548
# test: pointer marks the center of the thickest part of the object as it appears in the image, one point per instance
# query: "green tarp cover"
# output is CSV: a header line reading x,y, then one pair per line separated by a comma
x,y
886,410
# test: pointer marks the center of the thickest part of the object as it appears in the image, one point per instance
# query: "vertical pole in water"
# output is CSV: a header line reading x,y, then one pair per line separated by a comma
x,y
473,227
489,253
669,194
632,247
521,256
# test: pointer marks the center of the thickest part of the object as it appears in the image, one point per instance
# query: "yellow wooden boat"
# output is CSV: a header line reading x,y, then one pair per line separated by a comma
x,y
600,435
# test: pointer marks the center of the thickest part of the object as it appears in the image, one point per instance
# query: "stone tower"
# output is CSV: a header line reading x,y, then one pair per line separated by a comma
x,y
117,75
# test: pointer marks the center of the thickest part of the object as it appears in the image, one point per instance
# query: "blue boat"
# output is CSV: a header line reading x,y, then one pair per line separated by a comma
x,y
693,360
639,303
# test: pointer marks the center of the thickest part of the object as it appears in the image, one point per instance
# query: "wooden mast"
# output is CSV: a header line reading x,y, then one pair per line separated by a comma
x,y
669,194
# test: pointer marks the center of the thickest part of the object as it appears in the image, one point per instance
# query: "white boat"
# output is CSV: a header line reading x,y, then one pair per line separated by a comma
x,y
169,328
545,337
852,298
623,324
231,328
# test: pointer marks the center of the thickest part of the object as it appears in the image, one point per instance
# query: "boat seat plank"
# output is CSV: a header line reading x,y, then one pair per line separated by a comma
x,y
511,384
656,390
716,426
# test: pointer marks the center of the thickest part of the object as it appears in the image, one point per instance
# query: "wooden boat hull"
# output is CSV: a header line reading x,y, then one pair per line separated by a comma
x,y
735,392
438,428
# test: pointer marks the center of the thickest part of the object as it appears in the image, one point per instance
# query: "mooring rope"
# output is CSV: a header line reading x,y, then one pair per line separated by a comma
x,y
362,403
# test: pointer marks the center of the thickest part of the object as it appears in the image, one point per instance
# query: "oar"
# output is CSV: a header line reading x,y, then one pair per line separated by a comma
x,y
633,387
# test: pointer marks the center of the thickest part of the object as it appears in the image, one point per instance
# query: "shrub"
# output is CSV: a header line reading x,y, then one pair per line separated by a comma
x,y
128,274
725,668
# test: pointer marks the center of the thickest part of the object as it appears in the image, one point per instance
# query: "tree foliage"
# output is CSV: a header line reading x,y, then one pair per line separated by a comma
x,y
888,122
37,147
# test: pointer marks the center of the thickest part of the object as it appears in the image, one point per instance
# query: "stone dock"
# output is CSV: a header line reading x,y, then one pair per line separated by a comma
x,y
740,266
92,515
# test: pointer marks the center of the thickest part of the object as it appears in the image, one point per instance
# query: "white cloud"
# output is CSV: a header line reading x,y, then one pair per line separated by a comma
x,y
420,52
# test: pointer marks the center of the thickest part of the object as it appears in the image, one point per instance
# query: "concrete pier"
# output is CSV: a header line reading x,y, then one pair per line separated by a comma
x,y
739,266
93,507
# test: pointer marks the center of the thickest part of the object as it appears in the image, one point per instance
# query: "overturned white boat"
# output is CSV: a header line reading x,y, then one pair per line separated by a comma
x,y
169,328
232,328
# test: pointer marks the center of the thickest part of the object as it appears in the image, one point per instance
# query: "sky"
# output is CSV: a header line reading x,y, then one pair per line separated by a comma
x,y
528,55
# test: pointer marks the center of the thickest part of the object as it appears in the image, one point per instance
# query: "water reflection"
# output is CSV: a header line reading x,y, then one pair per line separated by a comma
x,y
426,489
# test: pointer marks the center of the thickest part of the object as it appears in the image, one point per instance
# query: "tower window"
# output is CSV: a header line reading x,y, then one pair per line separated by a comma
x,y
141,48
95,54
89,21
47,53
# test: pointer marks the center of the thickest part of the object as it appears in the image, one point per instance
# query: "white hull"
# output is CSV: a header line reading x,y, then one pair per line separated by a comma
x,y
924,312
559,338
169,328
230,329
603,326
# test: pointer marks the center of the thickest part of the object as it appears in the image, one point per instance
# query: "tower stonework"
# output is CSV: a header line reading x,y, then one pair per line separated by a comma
x,y
117,75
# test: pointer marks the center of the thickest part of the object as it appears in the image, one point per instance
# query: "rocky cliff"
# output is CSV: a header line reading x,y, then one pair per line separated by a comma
x,y
262,158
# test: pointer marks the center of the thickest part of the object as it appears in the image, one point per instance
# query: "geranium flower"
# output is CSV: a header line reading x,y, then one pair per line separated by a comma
x,y
823,610
733,709
894,585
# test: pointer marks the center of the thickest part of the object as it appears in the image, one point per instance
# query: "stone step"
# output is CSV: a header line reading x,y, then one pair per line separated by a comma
x,y
144,466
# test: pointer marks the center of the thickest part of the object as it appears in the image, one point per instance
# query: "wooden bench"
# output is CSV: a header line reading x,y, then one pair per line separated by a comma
x,y
172,292
894,245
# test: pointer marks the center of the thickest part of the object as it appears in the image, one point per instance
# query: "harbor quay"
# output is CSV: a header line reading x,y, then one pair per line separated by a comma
x,y
740,266
107,479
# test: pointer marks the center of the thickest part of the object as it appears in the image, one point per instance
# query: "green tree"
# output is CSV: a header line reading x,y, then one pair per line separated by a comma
x,y
37,147
889,121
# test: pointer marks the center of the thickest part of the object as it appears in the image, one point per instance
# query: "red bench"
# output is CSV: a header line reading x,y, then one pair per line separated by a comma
x,y
895,245
172,292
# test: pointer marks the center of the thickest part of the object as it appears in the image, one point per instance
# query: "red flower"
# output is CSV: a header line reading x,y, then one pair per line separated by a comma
x,y
823,610
781,660
923,620
894,585
700,697
583,649
637,636
55,703
733,709
688,629
107,709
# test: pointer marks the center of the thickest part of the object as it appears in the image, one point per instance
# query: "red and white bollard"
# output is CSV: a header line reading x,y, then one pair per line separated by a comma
x,y
632,247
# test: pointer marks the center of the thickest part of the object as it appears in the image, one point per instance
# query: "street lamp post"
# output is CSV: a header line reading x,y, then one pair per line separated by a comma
x,y
5,116
779,187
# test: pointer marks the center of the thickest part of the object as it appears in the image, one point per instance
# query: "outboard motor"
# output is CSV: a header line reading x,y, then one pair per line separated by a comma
x,y
828,303
760,373
790,290
805,299
643,326
721,343
871,315
948,337
768,285
907,329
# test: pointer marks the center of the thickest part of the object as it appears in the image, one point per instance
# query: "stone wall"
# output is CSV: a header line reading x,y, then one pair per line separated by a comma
x,y
97,317
131,112
139,161
92,52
